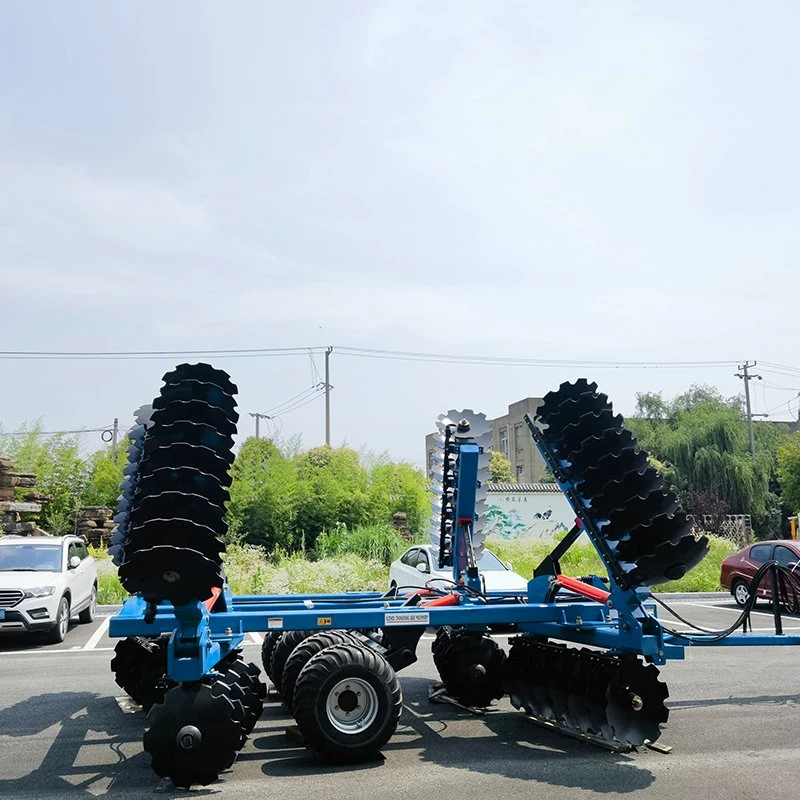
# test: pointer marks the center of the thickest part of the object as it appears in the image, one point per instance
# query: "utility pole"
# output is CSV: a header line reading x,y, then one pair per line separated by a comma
x,y
258,418
328,387
747,377
114,437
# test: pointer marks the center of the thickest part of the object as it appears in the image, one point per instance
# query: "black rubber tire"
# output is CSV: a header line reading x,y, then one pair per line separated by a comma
x,y
302,654
87,615
267,646
58,632
315,684
283,648
470,664
736,597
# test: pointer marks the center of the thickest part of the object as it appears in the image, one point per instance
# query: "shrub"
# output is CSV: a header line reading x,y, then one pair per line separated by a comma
x,y
379,543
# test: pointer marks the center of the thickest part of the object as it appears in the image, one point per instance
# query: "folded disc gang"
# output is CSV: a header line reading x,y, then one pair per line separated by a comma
x,y
204,373
174,513
187,455
639,523
197,411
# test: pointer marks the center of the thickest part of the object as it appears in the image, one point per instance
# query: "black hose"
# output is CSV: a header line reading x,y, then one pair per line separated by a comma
x,y
787,581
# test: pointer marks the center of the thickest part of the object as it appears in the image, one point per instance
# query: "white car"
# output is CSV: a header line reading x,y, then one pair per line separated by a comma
x,y
44,582
419,566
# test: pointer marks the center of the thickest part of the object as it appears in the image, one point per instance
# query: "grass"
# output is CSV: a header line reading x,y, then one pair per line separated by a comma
x,y
582,559
380,543
250,572
358,561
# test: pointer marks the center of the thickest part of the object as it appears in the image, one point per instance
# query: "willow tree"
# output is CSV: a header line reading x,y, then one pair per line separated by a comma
x,y
702,439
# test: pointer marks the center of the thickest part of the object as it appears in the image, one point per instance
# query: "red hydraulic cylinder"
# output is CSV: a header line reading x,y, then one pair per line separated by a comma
x,y
579,587
446,600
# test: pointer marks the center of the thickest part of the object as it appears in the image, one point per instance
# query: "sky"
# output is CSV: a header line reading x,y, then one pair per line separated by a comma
x,y
564,181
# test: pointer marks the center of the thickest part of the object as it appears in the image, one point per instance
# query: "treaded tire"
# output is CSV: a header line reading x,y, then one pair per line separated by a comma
x,y
302,654
283,648
267,646
470,664
315,686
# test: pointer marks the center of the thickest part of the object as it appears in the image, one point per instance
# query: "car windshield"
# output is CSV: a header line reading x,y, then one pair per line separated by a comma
x,y
30,558
489,561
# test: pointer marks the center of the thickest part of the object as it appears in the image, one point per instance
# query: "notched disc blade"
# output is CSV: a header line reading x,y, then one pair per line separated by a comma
x,y
204,373
170,573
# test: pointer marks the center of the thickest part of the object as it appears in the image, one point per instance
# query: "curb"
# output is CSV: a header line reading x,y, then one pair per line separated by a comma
x,y
692,595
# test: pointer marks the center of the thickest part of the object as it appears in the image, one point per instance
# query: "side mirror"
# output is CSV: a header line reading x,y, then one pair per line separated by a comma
x,y
422,567
74,562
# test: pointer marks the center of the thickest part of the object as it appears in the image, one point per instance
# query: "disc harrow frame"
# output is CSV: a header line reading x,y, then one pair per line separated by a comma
x,y
585,658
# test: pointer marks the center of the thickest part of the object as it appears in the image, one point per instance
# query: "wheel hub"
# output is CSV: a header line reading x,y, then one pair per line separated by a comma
x,y
352,705
189,738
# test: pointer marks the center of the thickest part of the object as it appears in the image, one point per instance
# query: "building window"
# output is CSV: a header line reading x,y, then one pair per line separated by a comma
x,y
519,435
504,441
520,471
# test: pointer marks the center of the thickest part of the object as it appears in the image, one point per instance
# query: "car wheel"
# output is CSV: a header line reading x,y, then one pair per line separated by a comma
x,y
393,586
741,593
59,631
87,615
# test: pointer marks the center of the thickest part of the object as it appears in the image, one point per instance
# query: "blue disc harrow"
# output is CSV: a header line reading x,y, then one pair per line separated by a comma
x,y
586,657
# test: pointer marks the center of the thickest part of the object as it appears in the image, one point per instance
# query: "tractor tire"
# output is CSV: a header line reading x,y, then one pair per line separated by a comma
x,y
284,646
302,654
347,702
267,646
470,665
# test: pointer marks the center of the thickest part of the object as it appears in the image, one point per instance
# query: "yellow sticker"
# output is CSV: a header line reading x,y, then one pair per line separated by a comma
x,y
324,621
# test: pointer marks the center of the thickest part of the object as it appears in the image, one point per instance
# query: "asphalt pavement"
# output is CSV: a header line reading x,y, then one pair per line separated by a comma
x,y
733,727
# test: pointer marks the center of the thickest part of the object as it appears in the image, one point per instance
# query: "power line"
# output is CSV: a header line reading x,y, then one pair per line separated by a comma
x,y
305,402
364,352
401,355
275,410
259,352
108,428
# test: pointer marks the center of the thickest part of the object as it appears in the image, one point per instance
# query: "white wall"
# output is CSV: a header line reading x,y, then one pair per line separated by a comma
x,y
527,515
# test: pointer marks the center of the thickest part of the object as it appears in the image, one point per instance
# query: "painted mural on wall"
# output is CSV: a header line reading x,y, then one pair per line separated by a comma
x,y
527,515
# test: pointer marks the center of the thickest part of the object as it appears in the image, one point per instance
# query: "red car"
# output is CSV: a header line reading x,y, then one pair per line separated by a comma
x,y
738,570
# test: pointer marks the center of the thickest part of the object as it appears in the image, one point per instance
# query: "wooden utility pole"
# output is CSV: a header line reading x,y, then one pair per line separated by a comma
x,y
328,387
258,418
747,377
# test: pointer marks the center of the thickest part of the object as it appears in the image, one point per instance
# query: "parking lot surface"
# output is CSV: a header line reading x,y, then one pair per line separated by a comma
x,y
734,721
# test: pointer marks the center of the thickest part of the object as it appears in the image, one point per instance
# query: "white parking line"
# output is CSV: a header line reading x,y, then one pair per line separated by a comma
x,y
256,637
736,611
98,634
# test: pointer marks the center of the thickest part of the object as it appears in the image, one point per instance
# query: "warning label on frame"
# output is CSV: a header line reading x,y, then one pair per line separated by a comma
x,y
410,618
275,622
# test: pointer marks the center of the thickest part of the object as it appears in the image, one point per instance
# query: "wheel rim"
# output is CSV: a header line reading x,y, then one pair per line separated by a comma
x,y
93,603
63,620
741,593
352,705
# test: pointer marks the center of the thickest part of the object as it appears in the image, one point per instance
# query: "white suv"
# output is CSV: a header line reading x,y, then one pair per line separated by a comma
x,y
44,582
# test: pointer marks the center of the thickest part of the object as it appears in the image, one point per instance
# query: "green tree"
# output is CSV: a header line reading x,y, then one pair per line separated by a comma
x,y
702,440
333,489
789,472
399,487
61,473
263,496
105,476
500,469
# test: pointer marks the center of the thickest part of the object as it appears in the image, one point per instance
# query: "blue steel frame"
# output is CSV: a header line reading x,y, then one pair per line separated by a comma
x,y
627,623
